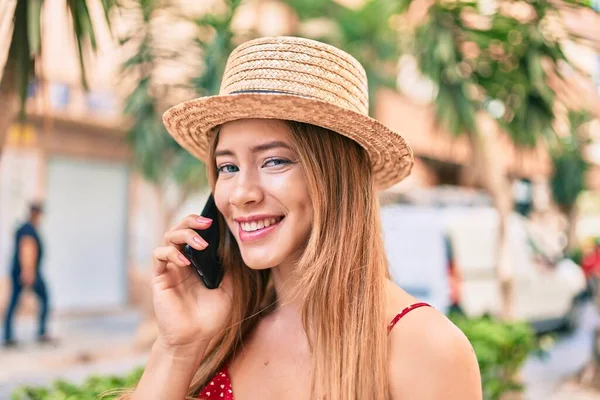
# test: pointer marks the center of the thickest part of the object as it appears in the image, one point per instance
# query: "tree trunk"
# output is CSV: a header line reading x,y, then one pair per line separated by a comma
x,y
9,102
492,175
572,214
147,331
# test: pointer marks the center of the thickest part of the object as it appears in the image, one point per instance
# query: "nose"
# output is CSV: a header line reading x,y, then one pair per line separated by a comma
x,y
247,190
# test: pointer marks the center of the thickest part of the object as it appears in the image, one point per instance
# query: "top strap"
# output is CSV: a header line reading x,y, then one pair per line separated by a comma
x,y
404,312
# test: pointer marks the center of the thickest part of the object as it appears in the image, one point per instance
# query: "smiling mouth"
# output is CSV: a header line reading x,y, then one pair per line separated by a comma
x,y
260,224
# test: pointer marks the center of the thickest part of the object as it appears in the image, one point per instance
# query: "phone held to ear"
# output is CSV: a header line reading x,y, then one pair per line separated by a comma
x,y
207,262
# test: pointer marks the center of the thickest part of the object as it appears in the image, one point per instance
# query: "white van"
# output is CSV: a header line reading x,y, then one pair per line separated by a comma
x,y
546,294
418,262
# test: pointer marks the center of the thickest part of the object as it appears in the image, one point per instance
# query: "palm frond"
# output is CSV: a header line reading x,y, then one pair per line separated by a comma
x,y
26,42
20,54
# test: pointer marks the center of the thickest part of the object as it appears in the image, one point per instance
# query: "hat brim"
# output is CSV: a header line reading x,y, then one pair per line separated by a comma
x,y
191,122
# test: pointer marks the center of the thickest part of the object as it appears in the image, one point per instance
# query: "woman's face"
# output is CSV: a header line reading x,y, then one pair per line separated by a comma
x,y
261,191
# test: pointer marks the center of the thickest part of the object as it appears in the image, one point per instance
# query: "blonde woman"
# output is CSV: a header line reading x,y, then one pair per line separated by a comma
x,y
306,308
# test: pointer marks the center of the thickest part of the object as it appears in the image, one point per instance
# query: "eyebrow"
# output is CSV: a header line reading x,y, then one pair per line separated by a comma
x,y
256,149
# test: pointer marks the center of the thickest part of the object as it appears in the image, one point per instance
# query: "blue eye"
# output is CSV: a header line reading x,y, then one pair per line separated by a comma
x,y
273,162
227,168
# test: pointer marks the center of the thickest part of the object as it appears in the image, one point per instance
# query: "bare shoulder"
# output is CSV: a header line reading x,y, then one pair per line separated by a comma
x,y
429,357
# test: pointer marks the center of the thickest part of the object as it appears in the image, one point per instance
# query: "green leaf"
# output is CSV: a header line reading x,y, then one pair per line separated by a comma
x,y
73,7
534,64
34,11
208,20
86,23
19,53
107,5
83,29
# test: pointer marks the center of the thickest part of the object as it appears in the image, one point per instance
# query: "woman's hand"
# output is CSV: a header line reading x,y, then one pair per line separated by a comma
x,y
188,314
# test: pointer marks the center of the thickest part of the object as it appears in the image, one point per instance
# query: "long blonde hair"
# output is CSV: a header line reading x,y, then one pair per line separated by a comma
x,y
341,275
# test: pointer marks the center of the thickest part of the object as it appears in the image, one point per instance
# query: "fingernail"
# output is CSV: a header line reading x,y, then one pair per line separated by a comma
x,y
200,241
204,220
183,259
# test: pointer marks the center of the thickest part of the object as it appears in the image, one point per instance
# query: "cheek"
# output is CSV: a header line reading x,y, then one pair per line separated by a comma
x,y
292,191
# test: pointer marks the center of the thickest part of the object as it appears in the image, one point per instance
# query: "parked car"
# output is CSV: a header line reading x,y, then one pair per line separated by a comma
x,y
547,287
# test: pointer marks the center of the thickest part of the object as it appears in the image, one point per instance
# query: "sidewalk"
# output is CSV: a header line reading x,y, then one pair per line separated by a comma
x,y
96,344
548,378
570,391
102,344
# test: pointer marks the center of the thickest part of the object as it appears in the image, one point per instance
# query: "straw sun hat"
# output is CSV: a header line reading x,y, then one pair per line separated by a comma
x,y
295,79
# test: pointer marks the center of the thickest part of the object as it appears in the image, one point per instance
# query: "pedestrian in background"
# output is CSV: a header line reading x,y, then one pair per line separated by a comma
x,y
26,274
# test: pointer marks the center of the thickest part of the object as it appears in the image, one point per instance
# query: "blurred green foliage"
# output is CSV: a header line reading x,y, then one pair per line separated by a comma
x,y
496,63
569,165
576,255
501,349
94,387
156,155
365,32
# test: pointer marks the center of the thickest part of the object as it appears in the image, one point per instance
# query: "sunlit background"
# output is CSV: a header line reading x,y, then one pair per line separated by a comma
x,y
498,225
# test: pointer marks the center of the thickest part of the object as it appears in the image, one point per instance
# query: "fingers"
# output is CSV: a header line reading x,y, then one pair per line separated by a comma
x,y
185,236
180,234
193,221
168,254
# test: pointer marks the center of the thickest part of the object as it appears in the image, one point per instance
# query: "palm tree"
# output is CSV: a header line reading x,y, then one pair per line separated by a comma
x,y
568,178
159,159
156,156
493,67
23,20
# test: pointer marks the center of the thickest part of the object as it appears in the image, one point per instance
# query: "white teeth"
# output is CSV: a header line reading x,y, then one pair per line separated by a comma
x,y
256,225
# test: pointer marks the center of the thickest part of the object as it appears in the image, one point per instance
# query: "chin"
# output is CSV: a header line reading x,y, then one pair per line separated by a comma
x,y
259,260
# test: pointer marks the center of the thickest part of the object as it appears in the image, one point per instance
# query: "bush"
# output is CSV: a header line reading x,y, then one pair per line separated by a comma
x,y
501,349
576,255
95,387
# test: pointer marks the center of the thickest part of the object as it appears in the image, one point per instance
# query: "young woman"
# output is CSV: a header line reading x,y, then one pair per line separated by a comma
x,y
306,308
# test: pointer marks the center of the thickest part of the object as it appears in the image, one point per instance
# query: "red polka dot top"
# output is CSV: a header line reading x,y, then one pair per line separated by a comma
x,y
219,387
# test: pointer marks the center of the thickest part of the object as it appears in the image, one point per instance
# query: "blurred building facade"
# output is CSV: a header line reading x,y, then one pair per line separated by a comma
x,y
73,156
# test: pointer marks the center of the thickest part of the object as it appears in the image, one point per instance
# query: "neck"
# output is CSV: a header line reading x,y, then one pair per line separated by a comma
x,y
285,285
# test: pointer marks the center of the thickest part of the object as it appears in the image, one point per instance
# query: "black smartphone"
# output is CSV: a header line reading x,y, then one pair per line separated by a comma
x,y
207,262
